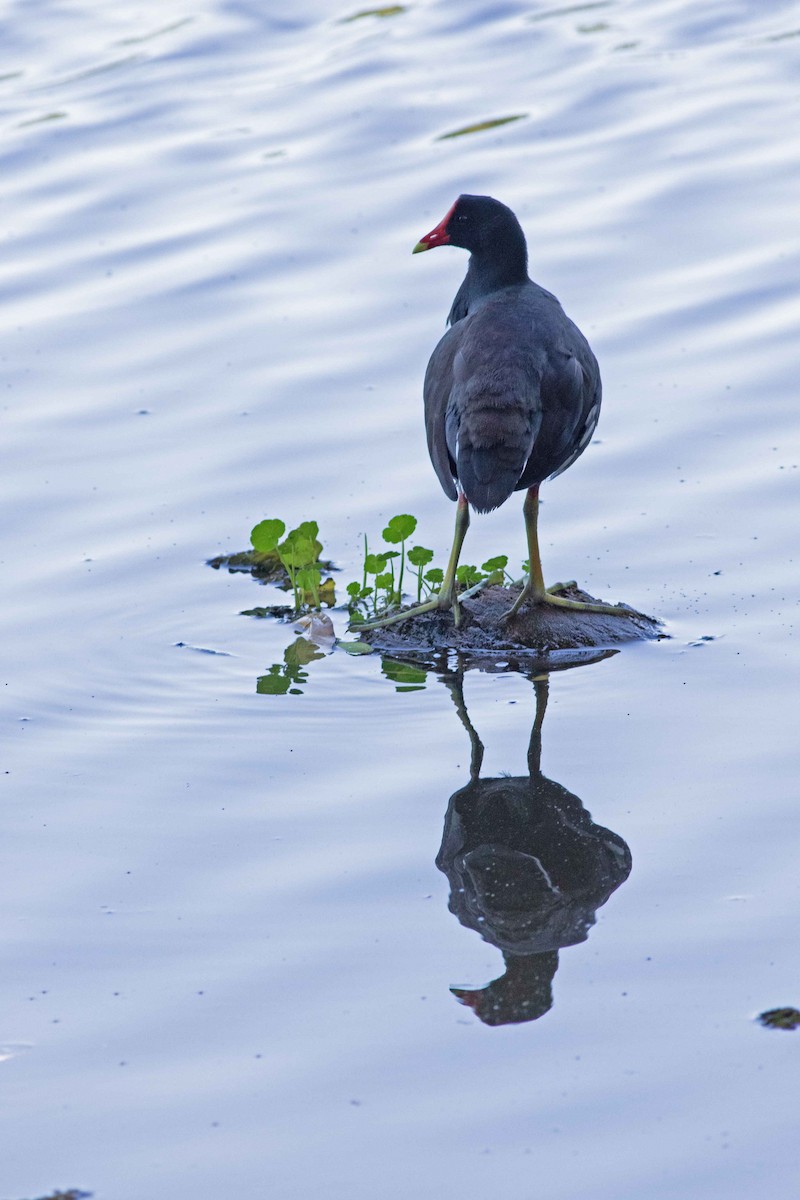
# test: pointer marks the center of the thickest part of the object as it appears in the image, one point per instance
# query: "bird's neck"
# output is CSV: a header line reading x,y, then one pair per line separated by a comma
x,y
498,266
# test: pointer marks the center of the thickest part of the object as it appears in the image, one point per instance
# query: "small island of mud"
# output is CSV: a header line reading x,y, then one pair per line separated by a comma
x,y
539,627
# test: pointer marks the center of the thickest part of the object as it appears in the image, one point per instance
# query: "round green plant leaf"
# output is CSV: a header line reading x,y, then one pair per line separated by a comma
x,y
419,556
374,563
400,528
308,529
468,575
357,647
298,551
266,535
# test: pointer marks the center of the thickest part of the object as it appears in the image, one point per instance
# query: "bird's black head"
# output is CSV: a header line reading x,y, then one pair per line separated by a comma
x,y
485,227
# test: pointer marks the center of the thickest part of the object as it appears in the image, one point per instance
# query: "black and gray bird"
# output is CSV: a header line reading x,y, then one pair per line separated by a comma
x,y
512,391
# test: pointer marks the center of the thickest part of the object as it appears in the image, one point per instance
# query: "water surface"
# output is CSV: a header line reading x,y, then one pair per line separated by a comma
x,y
229,956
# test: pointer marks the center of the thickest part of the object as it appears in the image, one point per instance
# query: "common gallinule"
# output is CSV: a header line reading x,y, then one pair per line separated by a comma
x,y
512,391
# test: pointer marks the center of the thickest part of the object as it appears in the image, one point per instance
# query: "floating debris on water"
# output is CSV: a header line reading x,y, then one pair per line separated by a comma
x,y
481,126
780,1018
388,10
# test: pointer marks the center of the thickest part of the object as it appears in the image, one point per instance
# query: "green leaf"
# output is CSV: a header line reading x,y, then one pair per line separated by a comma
x,y
435,575
499,563
468,575
357,647
480,126
308,529
298,551
266,535
360,593
384,582
418,556
388,10
354,589
400,528
308,580
375,563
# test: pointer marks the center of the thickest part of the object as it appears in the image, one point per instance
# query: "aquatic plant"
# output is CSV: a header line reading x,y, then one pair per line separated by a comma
x,y
292,560
299,554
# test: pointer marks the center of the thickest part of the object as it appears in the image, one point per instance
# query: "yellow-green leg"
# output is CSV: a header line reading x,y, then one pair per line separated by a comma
x,y
534,589
446,596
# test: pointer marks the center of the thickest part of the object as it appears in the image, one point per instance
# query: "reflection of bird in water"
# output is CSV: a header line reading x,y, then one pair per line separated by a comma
x,y
528,869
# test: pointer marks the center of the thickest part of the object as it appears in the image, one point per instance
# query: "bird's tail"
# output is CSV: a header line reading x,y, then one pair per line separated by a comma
x,y
488,474
494,442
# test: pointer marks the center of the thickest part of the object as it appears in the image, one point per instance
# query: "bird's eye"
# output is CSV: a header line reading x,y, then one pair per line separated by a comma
x,y
461,217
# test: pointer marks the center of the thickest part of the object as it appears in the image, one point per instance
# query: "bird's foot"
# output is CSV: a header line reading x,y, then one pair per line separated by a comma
x,y
382,622
440,602
550,596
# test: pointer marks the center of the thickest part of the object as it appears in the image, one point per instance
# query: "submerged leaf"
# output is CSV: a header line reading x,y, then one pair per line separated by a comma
x,y
265,568
480,126
72,1194
327,592
271,610
388,10
780,1018
357,647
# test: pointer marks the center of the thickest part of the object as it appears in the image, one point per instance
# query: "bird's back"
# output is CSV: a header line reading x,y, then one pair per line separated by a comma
x,y
512,396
